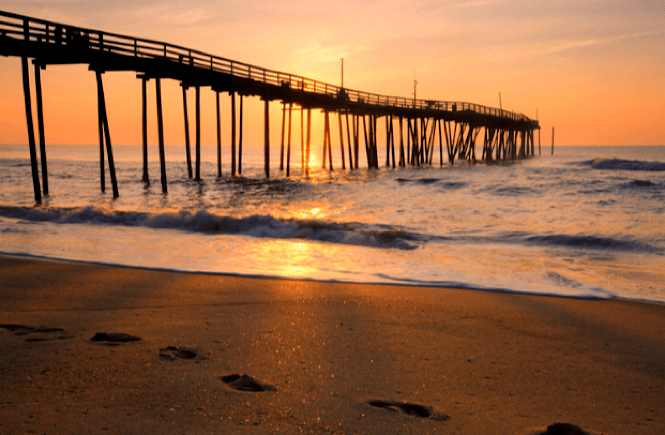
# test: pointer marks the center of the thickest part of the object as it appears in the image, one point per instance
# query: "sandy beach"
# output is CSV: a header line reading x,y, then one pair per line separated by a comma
x,y
324,357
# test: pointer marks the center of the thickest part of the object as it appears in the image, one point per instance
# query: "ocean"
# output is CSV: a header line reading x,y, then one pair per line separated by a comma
x,y
586,222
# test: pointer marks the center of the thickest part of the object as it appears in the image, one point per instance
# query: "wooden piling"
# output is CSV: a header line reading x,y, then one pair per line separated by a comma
x,y
266,138
356,139
348,139
160,133
233,134
107,135
219,135
40,124
240,127
308,144
330,156
281,150
324,151
341,138
144,100
198,132
288,149
402,161
552,140
302,140
31,130
188,151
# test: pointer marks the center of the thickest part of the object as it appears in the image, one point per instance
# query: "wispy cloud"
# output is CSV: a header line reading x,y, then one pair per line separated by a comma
x,y
174,15
322,53
561,46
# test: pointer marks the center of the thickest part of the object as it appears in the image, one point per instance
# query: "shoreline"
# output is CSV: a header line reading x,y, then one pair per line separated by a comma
x,y
479,361
322,281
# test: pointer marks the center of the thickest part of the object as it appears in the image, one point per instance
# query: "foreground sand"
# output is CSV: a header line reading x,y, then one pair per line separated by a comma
x,y
493,363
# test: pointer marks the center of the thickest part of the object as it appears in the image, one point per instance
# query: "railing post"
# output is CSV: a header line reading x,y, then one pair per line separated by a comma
x,y
26,29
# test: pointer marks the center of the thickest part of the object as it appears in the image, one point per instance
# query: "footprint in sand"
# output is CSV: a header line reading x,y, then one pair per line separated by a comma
x,y
246,383
37,333
563,429
113,338
171,353
413,409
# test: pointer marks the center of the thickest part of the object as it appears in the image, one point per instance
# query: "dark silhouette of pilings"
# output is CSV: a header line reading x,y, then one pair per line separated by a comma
x,y
507,135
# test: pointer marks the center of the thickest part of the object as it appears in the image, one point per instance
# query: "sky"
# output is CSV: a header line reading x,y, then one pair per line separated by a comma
x,y
594,70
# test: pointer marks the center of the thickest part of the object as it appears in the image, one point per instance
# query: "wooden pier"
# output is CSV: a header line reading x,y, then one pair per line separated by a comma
x,y
412,126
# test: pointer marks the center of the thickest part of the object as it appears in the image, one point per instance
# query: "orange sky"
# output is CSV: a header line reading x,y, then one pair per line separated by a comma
x,y
594,70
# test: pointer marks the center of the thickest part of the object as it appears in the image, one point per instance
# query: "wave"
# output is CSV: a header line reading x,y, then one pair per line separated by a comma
x,y
591,242
265,226
625,165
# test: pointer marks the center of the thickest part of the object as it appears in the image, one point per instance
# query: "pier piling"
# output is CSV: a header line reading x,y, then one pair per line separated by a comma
x,y
31,131
144,91
40,125
103,120
160,133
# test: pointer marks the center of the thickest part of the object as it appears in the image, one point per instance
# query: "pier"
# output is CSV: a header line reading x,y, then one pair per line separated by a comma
x,y
415,129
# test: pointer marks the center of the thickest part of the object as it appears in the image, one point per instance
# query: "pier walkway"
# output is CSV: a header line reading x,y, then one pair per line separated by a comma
x,y
413,125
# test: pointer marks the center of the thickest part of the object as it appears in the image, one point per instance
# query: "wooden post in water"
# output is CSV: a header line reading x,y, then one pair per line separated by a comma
x,y
281,150
330,157
233,134
309,137
325,140
187,147
219,135
341,139
392,140
266,138
198,132
302,139
40,125
107,135
348,139
31,129
160,133
552,140
288,149
144,91
356,139
240,126
402,161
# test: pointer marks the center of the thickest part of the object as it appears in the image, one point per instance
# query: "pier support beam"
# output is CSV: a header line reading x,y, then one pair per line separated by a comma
x,y
233,134
40,125
198,132
31,131
219,136
341,139
104,124
266,138
308,143
160,133
240,127
188,152
144,118
288,149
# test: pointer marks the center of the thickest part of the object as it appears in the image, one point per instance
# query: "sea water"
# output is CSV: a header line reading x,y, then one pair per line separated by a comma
x,y
585,222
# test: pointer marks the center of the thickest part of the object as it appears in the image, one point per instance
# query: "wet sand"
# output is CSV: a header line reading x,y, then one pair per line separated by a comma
x,y
171,349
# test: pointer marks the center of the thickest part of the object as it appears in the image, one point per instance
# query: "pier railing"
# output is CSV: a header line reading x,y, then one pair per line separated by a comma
x,y
20,27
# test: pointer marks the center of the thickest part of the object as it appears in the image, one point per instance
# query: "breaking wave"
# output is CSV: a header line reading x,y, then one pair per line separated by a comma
x,y
625,165
265,226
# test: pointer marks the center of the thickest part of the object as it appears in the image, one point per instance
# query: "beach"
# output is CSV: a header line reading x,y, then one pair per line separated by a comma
x,y
325,357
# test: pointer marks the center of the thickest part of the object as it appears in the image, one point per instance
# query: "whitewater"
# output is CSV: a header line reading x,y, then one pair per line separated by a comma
x,y
586,222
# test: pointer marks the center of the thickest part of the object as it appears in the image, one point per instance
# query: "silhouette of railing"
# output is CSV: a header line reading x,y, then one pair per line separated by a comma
x,y
19,27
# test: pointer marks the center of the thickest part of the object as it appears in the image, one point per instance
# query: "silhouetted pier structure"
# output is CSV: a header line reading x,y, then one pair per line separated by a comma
x,y
414,126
